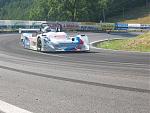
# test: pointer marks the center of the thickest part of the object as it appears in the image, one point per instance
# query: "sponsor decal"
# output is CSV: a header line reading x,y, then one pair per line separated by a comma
x,y
88,28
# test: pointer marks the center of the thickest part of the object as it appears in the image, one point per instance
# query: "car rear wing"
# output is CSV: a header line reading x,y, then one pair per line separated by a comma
x,y
28,30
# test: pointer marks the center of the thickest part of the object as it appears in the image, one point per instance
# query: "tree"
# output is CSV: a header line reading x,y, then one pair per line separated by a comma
x,y
66,10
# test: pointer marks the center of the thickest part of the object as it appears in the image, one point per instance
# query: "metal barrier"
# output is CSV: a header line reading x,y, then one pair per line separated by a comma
x,y
82,26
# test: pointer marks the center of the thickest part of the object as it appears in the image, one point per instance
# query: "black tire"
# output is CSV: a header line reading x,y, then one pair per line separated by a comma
x,y
39,44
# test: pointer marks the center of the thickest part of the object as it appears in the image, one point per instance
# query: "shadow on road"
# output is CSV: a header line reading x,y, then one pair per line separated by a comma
x,y
71,52
126,34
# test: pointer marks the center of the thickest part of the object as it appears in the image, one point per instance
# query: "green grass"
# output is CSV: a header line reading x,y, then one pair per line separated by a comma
x,y
140,43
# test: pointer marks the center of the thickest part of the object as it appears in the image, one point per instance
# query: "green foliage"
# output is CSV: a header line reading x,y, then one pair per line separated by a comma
x,y
65,10
137,15
15,9
70,10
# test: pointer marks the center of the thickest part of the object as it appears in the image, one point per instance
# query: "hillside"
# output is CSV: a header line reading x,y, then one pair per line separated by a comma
x,y
15,9
140,43
136,15
67,10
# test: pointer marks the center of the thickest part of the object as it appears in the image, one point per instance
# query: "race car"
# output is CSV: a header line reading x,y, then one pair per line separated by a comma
x,y
50,38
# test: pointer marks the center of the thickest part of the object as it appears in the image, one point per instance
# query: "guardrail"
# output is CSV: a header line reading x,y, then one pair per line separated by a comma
x,y
13,25
120,26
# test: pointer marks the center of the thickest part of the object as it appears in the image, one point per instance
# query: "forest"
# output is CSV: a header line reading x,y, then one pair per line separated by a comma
x,y
66,10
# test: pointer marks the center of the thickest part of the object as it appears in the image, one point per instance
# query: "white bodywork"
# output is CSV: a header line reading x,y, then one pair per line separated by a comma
x,y
54,41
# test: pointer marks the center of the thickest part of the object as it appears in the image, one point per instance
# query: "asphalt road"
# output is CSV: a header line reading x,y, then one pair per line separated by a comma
x,y
98,81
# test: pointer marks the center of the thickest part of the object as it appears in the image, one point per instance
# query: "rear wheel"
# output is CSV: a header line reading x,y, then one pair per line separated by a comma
x,y
39,44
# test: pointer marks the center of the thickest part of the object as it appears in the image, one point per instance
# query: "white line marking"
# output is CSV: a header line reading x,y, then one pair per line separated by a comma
x,y
8,108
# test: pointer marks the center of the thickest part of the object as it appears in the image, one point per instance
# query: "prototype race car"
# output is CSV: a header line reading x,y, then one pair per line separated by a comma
x,y
50,38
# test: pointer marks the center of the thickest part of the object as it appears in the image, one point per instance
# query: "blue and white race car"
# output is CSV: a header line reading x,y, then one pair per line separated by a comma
x,y
50,39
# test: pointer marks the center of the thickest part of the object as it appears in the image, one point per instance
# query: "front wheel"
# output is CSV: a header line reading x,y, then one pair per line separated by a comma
x,y
39,44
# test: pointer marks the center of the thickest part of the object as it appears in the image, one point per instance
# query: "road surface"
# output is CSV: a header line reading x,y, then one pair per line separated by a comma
x,y
98,81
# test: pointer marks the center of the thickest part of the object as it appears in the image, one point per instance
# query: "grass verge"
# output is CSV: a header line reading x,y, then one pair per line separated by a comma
x,y
140,43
